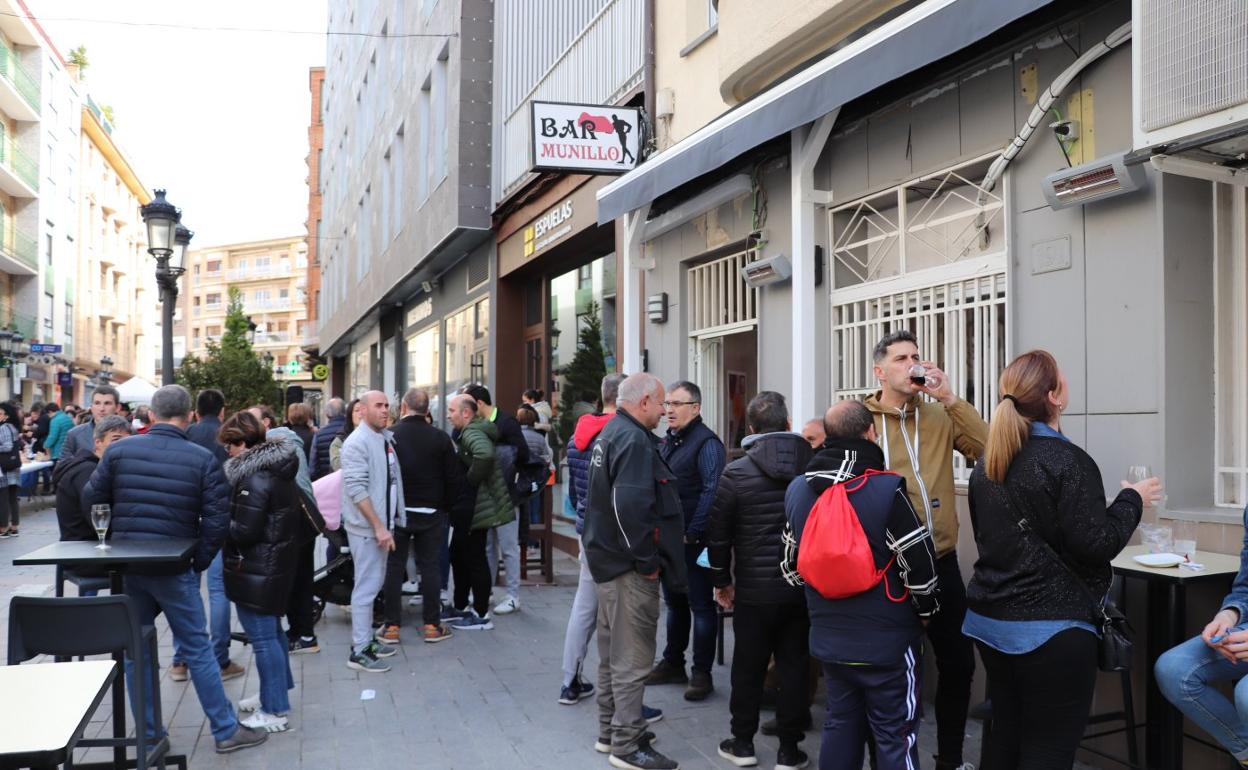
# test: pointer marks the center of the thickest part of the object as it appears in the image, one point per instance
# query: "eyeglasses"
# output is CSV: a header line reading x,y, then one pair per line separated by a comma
x,y
670,404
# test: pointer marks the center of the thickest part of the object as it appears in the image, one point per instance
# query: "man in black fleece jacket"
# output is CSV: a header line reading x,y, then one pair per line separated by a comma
x,y
870,643
73,515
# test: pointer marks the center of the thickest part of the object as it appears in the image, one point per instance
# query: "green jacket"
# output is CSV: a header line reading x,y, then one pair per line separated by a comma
x,y
494,506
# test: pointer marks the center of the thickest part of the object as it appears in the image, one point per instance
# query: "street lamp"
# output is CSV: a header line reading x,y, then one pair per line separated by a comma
x,y
268,361
106,369
251,331
161,218
182,240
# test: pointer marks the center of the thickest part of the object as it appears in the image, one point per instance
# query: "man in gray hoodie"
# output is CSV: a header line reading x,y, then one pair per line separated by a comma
x,y
372,507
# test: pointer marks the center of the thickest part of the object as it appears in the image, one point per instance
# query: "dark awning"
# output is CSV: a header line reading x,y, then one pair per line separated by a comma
x,y
928,33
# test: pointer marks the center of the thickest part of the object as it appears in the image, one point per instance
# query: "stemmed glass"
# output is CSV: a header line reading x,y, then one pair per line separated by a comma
x,y
100,516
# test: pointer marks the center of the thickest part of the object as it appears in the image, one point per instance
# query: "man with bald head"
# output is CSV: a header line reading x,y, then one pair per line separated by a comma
x,y
870,643
372,508
634,536
814,433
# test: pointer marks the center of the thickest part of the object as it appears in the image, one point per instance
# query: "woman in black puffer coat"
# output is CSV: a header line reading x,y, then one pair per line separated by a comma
x,y
260,556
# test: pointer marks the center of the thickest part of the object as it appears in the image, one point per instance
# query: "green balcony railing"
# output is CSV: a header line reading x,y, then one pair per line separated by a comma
x,y
18,245
25,167
12,70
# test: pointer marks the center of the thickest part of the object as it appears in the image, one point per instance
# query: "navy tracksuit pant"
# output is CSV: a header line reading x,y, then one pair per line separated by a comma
x,y
882,700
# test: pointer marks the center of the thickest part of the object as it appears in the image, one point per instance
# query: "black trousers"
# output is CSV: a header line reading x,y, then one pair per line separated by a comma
x,y
425,532
955,663
470,566
761,631
299,608
1040,702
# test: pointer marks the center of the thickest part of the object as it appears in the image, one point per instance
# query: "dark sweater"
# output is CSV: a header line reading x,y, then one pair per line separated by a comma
x,y
433,476
1056,487
73,515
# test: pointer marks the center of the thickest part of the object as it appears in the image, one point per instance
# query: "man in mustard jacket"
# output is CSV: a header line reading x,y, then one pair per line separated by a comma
x,y
919,437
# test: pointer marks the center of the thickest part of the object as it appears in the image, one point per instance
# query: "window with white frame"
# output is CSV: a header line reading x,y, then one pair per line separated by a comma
x,y
930,256
1230,355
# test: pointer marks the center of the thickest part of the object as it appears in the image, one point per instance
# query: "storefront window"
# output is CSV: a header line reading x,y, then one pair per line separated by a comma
x,y
422,368
467,345
360,373
575,297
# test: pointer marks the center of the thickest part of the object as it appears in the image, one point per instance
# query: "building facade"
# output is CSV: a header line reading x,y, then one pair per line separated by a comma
x,y
270,277
116,303
856,188
405,247
316,144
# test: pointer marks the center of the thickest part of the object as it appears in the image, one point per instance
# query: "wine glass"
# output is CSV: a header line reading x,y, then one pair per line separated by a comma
x,y
100,516
918,375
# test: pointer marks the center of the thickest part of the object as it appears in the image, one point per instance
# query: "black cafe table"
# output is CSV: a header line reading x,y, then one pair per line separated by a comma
x,y
1166,627
53,702
119,557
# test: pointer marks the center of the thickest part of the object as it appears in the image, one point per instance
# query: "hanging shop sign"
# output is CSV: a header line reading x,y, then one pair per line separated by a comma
x,y
585,137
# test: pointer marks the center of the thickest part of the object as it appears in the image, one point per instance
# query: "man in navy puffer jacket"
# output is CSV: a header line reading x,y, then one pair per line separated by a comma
x,y
162,485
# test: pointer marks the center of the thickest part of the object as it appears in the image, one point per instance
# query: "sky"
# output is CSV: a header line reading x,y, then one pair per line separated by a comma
x,y
218,117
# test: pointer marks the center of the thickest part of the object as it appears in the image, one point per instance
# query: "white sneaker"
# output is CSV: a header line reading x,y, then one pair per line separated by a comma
x,y
507,606
416,601
266,722
249,704
411,587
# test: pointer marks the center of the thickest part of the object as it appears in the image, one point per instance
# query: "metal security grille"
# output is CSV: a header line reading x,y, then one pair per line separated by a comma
x,y
719,299
923,256
1230,352
1193,59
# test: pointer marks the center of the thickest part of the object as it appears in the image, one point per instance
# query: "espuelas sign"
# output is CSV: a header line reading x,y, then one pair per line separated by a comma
x,y
585,137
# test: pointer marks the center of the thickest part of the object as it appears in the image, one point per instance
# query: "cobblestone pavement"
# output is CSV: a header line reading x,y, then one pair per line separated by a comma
x,y
479,700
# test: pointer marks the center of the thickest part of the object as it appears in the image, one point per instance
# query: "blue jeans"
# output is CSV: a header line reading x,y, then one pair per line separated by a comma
x,y
698,602
219,612
1184,675
178,597
272,651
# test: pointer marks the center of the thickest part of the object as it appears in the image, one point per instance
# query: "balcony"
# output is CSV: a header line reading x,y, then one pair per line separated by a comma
x,y
19,90
19,173
19,252
272,338
105,306
254,305
205,278
207,309
254,273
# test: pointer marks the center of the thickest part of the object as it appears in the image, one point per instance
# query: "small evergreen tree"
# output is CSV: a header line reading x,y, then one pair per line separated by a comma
x,y
78,57
232,366
582,379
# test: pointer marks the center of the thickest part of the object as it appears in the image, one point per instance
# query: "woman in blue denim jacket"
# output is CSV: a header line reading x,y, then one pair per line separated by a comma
x,y
1186,673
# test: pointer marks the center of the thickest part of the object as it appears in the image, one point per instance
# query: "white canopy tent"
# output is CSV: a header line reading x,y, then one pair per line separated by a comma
x,y
136,390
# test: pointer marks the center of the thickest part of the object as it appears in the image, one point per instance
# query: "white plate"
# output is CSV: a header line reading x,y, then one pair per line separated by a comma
x,y
1159,559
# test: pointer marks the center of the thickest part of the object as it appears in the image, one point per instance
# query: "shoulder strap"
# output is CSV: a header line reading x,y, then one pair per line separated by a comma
x,y
1025,527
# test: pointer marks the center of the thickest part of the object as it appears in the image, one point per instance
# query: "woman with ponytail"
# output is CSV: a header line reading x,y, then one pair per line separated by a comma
x,y
1033,497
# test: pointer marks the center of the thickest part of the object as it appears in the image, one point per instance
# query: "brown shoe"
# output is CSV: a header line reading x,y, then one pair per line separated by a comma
x,y
232,671
437,633
666,673
700,686
388,634
178,672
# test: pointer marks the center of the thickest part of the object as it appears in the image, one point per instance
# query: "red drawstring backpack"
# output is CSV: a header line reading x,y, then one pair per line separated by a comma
x,y
835,558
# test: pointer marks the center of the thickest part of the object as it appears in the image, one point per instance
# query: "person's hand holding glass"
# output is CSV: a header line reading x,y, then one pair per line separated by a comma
x,y
1141,479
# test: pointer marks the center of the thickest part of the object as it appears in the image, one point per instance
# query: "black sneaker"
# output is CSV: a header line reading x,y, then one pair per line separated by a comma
x,y
574,693
644,758
243,738
603,744
700,686
666,673
738,752
304,646
791,758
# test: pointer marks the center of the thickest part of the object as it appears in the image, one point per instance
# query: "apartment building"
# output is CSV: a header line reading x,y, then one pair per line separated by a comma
x,y
116,302
271,277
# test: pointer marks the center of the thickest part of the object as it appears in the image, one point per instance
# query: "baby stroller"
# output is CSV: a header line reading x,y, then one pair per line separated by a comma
x,y
333,582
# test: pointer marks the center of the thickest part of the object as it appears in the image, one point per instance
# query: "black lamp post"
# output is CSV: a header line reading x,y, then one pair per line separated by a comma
x,y
164,242
106,369
267,358
251,331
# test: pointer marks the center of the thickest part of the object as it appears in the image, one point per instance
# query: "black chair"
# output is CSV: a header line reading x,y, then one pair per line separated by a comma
x,y
52,626
83,582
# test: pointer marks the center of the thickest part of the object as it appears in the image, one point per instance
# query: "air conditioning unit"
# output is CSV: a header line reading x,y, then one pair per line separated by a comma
x,y
1190,76
1102,178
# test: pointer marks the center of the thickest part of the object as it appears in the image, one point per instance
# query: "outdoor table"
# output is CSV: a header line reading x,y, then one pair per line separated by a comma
x,y
73,554
1166,627
50,705
28,474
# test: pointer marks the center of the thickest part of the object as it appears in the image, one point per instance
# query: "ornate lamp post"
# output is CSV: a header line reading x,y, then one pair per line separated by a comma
x,y
167,243
106,369
251,331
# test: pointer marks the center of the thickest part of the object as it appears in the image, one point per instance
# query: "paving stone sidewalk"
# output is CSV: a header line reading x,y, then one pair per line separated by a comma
x,y
478,700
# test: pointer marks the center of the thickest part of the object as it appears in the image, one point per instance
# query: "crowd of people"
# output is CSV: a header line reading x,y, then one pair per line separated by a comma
x,y
834,549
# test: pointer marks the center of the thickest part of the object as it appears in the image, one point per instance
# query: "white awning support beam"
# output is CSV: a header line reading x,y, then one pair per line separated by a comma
x,y
632,282
807,145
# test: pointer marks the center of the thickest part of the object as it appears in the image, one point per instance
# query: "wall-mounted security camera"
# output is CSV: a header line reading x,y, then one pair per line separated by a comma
x,y
428,286
1065,130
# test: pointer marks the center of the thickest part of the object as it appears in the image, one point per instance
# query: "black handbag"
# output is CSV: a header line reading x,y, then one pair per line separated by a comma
x,y
1113,651
12,459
